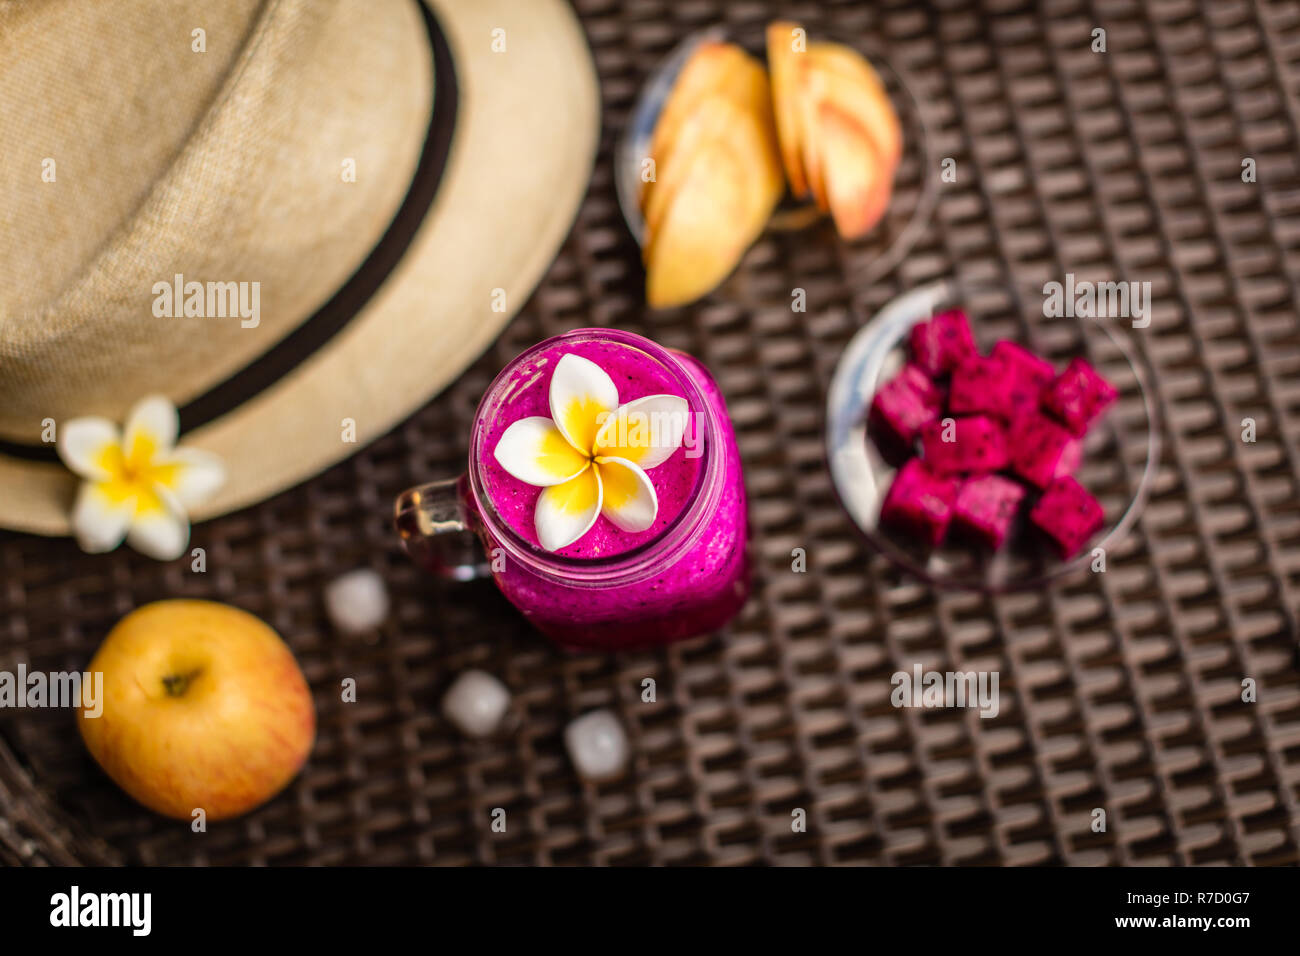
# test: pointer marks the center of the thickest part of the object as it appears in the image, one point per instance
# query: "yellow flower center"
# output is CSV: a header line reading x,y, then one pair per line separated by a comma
x,y
134,474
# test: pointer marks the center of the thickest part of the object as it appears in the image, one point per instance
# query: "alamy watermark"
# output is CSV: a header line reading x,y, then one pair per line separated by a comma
x,y
922,688
1096,300
133,911
654,429
208,300
64,689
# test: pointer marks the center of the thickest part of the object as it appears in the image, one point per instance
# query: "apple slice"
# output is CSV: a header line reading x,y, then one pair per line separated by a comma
x,y
857,182
720,208
783,60
742,89
697,244
810,91
705,70
856,89
715,114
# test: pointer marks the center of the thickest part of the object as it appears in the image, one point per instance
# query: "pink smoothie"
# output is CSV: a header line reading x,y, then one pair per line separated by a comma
x,y
636,376
611,590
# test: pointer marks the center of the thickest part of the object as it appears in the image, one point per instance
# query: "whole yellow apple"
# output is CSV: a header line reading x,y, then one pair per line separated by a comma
x,y
204,708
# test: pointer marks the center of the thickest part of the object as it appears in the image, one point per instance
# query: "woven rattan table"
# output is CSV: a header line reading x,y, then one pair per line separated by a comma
x,y
1120,691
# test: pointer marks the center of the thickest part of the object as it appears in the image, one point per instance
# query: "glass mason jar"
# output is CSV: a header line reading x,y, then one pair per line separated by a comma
x,y
688,578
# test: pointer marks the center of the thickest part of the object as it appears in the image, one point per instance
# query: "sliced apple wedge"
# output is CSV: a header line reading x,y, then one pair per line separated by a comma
x,y
741,88
713,115
726,198
704,71
857,182
809,86
849,137
783,60
697,244
856,89
717,174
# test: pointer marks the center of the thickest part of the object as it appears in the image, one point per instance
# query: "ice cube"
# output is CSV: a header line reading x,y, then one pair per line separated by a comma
x,y
476,703
597,745
357,602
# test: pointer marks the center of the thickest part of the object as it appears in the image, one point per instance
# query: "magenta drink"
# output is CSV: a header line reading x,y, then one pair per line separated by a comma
x,y
615,556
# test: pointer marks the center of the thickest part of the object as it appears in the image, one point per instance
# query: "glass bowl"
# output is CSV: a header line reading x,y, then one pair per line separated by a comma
x,y
916,182
1121,451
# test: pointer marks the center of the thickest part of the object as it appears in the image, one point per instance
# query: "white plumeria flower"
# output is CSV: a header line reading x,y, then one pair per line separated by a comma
x,y
137,484
591,455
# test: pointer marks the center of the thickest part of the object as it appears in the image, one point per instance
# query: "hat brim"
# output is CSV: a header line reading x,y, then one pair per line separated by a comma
x,y
527,125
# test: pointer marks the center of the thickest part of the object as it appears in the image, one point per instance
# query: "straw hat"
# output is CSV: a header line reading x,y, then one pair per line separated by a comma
x,y
364,191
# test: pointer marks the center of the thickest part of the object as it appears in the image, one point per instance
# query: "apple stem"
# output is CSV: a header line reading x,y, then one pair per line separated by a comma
x,y
177,684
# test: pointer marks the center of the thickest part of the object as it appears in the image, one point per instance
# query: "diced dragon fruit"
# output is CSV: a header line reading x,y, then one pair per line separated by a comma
x,y
904,405
942,343
916,378
1041,449
980,386
986,507
1079,395
1028,377
954,446
1068,514
919,502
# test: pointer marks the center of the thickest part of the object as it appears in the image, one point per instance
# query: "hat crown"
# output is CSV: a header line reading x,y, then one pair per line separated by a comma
x,y
184,186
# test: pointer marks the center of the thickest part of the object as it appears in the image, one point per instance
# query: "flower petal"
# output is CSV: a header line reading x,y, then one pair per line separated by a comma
x,y
160,528
190,474
581,395
627,496
533,450
150,433
91,447
646,431
101,515
566,512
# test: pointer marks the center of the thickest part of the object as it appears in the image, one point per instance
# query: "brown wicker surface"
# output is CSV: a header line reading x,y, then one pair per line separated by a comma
x,y
1120,690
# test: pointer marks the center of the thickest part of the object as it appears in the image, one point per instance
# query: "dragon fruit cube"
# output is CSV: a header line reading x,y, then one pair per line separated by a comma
x,y
980,386
954,446
1079,395
1068,514
1041,449
916,378
986,507
919,502
904,405
943,343
1029,376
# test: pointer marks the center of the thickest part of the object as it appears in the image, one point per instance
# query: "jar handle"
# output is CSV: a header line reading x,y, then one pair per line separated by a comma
x,y
432,523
